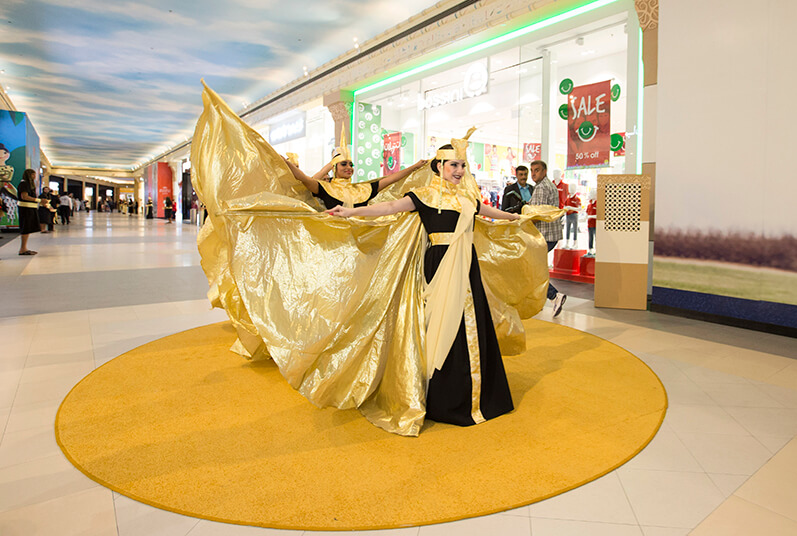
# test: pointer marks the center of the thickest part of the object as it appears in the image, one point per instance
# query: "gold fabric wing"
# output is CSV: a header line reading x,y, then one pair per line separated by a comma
x,y
337,303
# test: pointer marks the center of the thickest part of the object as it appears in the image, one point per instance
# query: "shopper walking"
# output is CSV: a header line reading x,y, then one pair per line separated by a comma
x,y
545,193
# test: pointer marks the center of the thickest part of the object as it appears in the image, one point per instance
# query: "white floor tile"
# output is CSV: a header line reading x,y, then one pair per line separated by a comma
x,y
43,391
210,528
28,445
686,392
670,499
32,416
785,396
741,395
86,513
137,519
767,421
602,500
664,531
702,419
773,442
40,480
74,371
666,452
729,454
561,527
706,377
478,526
728,484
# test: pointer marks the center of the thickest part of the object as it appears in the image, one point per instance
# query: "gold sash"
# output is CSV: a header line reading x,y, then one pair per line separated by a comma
x,y
27,204
445,294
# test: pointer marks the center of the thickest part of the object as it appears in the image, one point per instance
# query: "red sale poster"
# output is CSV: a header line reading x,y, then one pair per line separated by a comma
x,y
588,125
531,152
392,154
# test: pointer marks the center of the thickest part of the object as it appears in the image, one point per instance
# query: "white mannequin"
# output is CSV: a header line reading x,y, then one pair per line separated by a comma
x,y
557,176
572,218
593,196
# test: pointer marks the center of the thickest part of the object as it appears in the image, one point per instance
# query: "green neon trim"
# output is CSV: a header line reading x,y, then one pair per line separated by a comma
x,y
640,106
555,19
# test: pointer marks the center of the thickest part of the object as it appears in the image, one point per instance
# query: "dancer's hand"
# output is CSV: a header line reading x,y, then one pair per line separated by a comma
x,y
419,164
341,211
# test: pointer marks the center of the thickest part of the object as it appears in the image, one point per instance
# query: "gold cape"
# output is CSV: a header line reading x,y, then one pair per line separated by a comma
x,y
337,303
346,192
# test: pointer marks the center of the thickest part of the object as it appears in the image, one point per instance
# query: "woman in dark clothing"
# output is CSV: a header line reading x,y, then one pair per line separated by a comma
x,y
467,382
44,210
168,209
150,215
28,207
340,190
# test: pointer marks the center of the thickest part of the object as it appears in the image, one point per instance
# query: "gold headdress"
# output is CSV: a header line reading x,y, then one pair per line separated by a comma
x,y
343,151
459,152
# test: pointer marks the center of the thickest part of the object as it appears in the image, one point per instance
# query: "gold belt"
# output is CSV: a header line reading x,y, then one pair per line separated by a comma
x,y
27,204
440,239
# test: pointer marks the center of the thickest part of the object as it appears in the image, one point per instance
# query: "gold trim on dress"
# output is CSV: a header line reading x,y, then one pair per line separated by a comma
x,y
27,204
347,193
441,239
472,337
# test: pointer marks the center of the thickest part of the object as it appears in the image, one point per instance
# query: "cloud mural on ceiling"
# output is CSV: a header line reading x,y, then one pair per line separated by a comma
x,y
112,83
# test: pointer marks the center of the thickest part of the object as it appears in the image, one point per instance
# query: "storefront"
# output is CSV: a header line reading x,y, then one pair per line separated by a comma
x,y
517,90
308,132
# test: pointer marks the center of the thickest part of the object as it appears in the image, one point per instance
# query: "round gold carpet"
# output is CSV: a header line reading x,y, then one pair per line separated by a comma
x,y
185,425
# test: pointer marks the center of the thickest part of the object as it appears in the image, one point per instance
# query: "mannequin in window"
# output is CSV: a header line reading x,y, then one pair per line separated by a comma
x,y
592,220
561,186
573,206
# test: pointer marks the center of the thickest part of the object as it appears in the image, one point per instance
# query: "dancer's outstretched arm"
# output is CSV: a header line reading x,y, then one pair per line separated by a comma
x,y
323,172
399,175
494,213
309,182
404,204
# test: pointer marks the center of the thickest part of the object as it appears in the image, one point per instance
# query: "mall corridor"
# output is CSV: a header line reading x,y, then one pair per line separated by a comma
x,y
725,456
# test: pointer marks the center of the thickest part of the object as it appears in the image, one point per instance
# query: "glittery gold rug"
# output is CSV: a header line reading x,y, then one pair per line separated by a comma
x,y
185,425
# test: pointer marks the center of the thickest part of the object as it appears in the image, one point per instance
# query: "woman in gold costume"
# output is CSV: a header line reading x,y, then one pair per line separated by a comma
x,y
469,386
341,305
340,190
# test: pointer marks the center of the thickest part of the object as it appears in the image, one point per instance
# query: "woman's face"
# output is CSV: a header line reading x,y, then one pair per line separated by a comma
x,y
345,169
453,171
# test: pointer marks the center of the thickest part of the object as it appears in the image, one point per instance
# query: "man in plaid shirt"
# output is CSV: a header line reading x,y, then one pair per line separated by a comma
x,y
545,193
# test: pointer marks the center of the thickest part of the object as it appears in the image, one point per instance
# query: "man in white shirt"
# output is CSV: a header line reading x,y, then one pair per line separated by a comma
x,y
64,208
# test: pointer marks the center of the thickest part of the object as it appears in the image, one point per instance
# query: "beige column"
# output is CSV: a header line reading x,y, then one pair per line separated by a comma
x,y
340,105
177,175
648,12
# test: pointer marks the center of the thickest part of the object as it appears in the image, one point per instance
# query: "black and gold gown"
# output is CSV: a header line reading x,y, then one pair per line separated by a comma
x,y
342,192
471,386
338,304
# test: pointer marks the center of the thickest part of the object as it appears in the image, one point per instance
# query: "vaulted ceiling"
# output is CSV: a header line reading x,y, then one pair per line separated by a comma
x,y
112,83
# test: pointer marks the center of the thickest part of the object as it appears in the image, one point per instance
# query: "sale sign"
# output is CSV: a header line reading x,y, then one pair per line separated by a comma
x,y
588,125
392,153
532,152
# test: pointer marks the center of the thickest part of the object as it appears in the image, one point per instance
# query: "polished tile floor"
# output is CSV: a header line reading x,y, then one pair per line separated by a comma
x,y
724,461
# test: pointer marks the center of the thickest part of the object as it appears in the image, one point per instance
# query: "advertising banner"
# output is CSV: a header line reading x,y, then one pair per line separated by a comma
x,y
588,125
19,150
164,188
392,153
499,161
368,155
531,152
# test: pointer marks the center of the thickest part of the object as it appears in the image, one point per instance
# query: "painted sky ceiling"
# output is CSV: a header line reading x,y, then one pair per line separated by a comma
x,y
112,83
